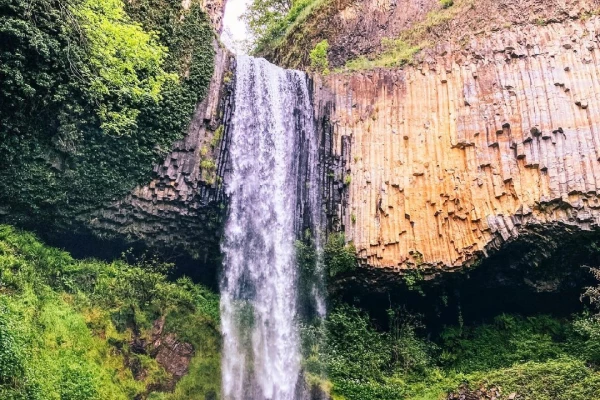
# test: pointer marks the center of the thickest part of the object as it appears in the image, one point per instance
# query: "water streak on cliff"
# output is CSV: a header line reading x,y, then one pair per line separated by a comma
x,y
273,169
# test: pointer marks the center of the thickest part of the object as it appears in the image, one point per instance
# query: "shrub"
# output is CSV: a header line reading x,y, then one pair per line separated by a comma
x,y
66,326
318,58
339,257
355,350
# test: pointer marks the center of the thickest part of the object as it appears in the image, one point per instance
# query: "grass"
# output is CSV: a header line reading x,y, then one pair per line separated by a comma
x,y
397,52
66,326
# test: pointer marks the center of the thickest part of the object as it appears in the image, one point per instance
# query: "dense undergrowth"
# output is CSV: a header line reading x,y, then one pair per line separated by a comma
x,y
353,356
538,358
92,94
71,329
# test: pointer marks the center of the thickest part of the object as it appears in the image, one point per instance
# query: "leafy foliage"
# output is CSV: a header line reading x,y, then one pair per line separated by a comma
x,y
262,15
125,67
339,257
270,20
357,351
538,357
66,326
318,58
93,93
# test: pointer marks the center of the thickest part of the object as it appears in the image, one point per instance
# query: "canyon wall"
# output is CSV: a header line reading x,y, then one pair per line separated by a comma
x,y
490,136
357,28
182,207
352,28
439,165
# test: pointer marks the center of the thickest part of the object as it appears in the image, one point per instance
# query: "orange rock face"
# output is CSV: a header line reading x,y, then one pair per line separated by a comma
x,y
449,161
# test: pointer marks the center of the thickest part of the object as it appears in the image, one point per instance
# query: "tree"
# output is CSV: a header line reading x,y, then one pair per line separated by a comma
x,y
262,15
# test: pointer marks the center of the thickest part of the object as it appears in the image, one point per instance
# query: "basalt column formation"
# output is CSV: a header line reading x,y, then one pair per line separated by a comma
x,y
442,163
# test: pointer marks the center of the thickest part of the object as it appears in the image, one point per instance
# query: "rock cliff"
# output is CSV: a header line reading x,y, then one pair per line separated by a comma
x,y
183,205
480,143
215,10
490,137
356,28
352,28
155,176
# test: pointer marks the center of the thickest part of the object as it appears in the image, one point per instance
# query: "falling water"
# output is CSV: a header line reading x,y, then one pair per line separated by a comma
x,y
272,190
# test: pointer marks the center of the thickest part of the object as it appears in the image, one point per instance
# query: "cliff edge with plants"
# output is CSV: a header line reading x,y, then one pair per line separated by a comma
x,y
454,129
95,95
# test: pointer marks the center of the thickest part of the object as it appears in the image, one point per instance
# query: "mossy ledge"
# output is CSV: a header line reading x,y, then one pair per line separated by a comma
x,y
90,330
60,164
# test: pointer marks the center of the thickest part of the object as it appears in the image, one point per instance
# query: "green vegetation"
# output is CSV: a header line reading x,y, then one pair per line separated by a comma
x,y
413,278
318,58
262,15
217,136
94,92
447,3
395,53
338,256
125,66
68,328
540,358
270,21
209,170
352,356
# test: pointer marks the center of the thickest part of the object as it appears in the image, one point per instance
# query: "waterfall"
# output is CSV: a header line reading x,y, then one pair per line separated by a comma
x,y
272,190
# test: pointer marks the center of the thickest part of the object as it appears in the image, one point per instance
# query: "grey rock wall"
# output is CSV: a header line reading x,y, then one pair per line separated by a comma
x,y
184,205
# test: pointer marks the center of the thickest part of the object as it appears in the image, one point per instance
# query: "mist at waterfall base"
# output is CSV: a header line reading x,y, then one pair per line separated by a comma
x,y
273,193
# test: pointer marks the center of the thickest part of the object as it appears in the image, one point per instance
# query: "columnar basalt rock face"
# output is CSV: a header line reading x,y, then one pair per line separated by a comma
x,y
446,162
182,207
352,28
356,28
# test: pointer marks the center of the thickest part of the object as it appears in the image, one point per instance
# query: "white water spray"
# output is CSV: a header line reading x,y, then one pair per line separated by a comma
x,y
273,192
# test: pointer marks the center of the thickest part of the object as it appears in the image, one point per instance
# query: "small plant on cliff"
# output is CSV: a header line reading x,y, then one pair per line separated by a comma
x,y
217,136
339,257
395,53
318,57
447,3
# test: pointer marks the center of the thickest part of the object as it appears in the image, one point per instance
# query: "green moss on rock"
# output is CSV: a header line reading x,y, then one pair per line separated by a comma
x,y
58,161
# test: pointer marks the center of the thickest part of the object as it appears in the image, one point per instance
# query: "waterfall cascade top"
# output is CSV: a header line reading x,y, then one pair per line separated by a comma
x,y
272,120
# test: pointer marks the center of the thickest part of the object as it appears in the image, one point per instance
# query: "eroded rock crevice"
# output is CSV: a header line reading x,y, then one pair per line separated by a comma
x,y
543,272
